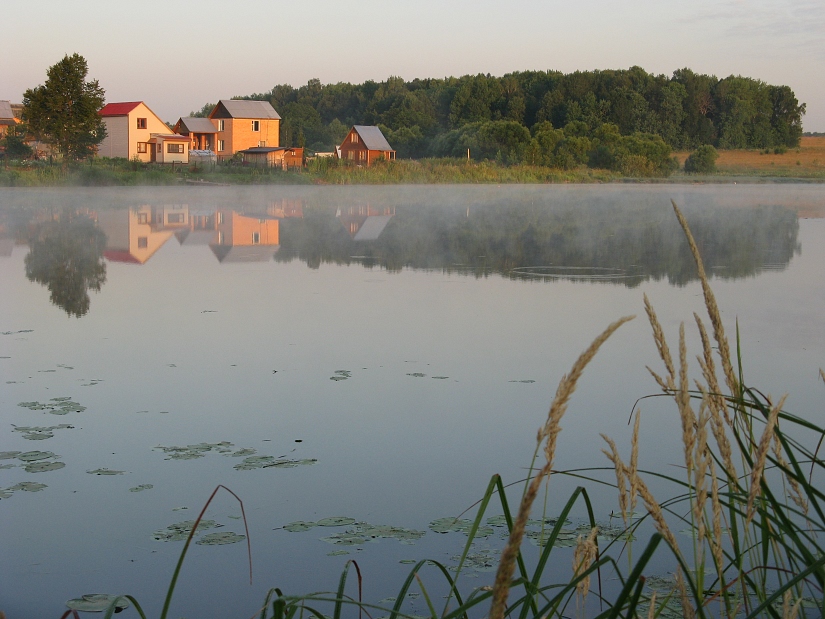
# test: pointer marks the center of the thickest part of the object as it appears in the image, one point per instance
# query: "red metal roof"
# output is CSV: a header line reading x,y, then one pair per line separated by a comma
x,y
118,109
114,255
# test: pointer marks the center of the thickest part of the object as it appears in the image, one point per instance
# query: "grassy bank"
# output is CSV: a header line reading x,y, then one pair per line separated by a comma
x,y
804,163
738,535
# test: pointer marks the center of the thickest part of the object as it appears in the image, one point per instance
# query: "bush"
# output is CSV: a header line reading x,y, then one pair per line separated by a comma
x,y
702,160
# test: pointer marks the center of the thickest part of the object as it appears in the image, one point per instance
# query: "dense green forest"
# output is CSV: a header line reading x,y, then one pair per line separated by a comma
x,y
627,120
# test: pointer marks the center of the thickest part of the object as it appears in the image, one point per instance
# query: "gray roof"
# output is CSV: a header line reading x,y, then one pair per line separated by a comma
x,y
5,110
372,137
198,125
259,150
248,109
372,228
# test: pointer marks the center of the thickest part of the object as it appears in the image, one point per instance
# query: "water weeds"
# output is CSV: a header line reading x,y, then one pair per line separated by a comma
x,y
341,375
105,471
55,406
357,533
141,488
39,433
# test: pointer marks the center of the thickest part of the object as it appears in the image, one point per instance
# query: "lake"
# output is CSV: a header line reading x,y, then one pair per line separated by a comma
x,y
357,359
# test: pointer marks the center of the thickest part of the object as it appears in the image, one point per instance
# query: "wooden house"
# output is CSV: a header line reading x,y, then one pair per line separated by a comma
x,y
364,145
129,130
274,157
365,222
244,124
201,131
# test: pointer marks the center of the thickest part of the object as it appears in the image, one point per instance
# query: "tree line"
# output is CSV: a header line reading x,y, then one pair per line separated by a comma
x,y
546,117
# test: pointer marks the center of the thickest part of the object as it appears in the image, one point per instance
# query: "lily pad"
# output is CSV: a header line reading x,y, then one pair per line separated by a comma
x,y
8,455
43,467
32,456
97,603
141,488
417,374
55,406
180,530
5,493
39,433
29,486
440,377
336,521
105,471
219,539
337,553
299,526
528,381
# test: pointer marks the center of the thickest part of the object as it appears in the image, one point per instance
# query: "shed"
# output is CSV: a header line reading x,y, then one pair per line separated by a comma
x,y
365,144
274,157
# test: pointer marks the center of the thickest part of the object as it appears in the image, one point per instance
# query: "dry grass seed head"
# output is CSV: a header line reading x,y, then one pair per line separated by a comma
x,y
796,492
661,346
655,511
701,459
709,369
651,609
583,557
719,431
710,304
634,461
686,413
716,539
760,458
688,612
550,431
621,478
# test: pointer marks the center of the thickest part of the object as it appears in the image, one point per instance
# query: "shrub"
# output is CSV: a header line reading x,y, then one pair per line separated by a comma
x,y
702,160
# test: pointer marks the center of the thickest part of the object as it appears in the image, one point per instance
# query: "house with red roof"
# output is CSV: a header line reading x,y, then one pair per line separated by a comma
x,y
364,145
133,131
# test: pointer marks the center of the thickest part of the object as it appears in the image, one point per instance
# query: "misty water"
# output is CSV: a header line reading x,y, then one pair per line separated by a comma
x,y
353,363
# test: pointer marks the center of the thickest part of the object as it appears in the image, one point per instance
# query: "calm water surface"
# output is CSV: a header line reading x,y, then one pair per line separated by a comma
x,y
365,353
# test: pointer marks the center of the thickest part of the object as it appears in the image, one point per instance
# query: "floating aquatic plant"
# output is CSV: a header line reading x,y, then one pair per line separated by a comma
x,y
33,456
219,539
39,433
105,471
266,462
29,486
416,374
179,531
43,467
300,526
8,455
141,488
98,603
191,452
341,375
55,406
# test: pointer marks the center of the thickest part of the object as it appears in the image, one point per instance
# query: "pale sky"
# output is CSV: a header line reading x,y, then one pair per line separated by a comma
x,y
177,55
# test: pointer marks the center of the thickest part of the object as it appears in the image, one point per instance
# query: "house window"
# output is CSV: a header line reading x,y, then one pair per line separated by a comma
x,y
256,125
141,123
143,218
353,138
141,147
159,148
220,126
174,148
174,218
220,217
220,238
143,242
256,238
262,143
220,145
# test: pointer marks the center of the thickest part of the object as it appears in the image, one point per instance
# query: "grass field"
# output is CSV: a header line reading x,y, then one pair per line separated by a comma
x,y
806,161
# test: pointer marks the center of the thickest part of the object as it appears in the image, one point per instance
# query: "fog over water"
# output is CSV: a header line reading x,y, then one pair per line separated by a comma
x,y
368,353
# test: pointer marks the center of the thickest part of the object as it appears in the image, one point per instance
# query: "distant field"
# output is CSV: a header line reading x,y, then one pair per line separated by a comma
x,y
806,161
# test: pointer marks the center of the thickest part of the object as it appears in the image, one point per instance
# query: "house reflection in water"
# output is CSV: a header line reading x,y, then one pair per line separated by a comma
x,y
134,235
245,238
364,222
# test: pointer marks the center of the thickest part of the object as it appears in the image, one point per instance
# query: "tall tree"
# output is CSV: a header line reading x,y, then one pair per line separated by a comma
x,y
64,110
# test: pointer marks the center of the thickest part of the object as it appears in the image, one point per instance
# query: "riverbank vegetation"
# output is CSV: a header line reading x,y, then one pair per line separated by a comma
x,y
739,536
807,161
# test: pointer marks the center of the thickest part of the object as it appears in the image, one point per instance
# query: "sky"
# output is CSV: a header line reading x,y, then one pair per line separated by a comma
x,y
177,55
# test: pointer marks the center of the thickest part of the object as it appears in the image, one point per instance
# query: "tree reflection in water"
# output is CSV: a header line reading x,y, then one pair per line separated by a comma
x,y
66,256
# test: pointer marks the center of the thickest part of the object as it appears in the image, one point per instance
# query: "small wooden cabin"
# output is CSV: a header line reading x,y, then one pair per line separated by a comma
x,y
274,157
364,145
